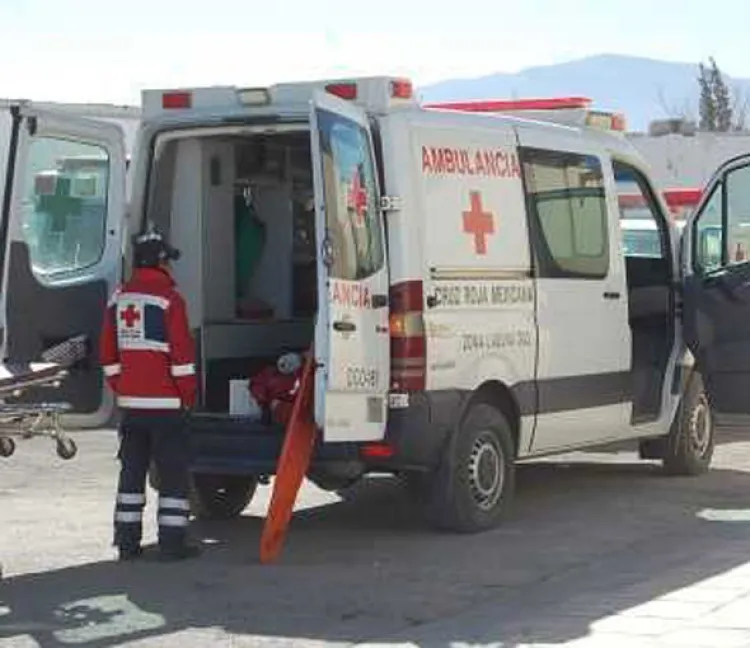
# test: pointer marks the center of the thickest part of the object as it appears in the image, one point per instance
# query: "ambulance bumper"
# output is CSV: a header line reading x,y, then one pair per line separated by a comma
x,y
416,435
233,446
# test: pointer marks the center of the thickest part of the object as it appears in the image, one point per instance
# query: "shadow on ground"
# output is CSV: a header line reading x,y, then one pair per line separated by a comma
x,y
596,537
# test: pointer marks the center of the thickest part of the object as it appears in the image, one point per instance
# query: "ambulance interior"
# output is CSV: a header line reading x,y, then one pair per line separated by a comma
x,y
240,208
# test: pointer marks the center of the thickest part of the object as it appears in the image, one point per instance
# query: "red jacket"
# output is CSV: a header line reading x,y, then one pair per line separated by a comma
x,y
146,349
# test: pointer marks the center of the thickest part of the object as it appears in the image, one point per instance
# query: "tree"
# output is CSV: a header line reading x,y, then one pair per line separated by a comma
x,y
724,112
715,103
706,101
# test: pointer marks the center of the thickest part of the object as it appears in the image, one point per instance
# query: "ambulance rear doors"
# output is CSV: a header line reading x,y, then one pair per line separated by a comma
x,y
352,343
60,243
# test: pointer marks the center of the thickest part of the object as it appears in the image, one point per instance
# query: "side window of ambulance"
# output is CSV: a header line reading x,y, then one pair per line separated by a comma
x,y
708,238
568,214
65,204
352,210
641,220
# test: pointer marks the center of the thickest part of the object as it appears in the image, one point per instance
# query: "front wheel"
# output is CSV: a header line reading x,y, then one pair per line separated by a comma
x,y
474,485
689,447
221,497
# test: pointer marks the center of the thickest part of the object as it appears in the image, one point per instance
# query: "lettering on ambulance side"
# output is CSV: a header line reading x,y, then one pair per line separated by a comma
x,y
365,378
473,342
492,163
349,294
483,294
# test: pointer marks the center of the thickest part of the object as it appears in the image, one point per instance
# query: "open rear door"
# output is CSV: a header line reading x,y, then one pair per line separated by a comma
x,y
716,271
352,344
62,218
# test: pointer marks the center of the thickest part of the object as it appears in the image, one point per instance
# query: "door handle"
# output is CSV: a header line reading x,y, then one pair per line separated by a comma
x,y
344,327
611,295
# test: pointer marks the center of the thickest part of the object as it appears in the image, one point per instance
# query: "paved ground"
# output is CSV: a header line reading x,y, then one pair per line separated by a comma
x,y
600,551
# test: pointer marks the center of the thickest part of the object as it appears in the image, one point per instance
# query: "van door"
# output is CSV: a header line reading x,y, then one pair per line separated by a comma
x,y
716,307
352,344
583,365
62,219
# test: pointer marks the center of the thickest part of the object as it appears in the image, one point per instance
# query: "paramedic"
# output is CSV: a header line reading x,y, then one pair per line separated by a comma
x,y
148,358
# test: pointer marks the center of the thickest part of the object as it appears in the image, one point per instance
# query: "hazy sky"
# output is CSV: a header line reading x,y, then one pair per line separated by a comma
x,y
99,50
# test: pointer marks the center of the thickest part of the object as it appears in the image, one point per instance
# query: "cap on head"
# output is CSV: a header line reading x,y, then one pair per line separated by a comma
x,y
150,250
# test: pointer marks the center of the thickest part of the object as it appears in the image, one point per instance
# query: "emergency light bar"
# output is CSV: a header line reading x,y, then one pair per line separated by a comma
x,y
561,110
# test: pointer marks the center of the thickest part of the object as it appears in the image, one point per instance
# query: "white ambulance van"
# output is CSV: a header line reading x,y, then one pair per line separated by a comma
x,y
459,270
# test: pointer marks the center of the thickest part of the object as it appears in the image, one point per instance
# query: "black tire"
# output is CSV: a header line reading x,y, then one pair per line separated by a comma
x,y
474,485
689,447
66,449
7,447
221,497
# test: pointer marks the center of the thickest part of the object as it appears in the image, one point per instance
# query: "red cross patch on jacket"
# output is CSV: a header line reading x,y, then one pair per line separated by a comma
x,y
146,350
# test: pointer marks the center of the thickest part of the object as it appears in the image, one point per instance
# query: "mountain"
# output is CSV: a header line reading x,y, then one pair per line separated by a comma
x,y
644,89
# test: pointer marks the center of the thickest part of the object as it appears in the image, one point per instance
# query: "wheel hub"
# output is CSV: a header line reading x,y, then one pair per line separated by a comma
x,y
486,473
700,426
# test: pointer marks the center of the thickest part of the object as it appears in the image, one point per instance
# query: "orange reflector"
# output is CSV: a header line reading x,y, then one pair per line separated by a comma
x,y
176,100
343,90
377,451
402,89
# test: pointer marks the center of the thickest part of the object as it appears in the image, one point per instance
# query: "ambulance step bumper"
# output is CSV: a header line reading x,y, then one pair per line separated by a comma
x,y
226,445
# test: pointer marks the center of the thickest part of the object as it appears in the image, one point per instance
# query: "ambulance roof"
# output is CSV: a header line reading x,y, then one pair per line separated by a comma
x,y
376,95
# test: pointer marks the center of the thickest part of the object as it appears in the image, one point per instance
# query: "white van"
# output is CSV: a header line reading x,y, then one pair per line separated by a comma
x,y
461,275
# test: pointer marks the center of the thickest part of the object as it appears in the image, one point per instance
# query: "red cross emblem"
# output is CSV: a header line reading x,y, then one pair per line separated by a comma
x,y
357,198
479,223
130,316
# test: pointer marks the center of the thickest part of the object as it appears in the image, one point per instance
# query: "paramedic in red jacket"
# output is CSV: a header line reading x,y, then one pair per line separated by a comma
x,y
147,355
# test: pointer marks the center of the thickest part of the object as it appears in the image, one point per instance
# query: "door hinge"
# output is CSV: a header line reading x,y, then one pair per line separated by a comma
x,y
390,203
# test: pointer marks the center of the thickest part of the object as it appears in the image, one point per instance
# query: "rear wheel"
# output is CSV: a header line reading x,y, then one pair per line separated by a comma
x,y
689,447
474,485
221,497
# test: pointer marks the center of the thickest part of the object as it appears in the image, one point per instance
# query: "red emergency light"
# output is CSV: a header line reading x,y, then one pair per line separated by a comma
x,y
346,91
176,100
510,105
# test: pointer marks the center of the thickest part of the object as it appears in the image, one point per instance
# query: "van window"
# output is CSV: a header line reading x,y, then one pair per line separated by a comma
x,y
641,219
65,204
567,214
709,239
352,210
738,215
722,229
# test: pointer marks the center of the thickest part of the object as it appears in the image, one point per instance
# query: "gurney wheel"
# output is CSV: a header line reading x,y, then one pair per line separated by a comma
x,y
66,448
7,446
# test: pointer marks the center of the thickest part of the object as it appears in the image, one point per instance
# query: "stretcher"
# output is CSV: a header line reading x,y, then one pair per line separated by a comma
x,y
25,420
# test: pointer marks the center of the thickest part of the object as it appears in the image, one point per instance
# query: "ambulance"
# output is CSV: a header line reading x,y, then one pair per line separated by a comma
x,y
458,270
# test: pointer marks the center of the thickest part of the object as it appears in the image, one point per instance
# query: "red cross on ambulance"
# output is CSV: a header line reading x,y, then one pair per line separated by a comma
x,y
478,222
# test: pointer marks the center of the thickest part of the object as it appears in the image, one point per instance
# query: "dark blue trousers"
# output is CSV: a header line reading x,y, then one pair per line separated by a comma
x,y
162,437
